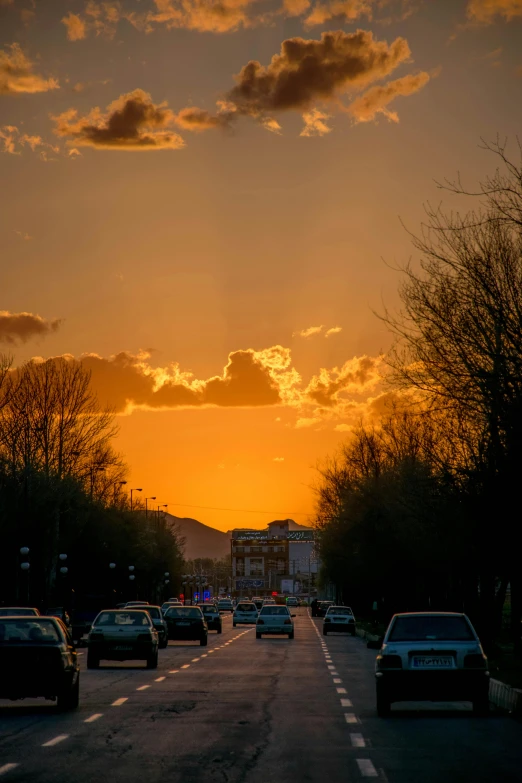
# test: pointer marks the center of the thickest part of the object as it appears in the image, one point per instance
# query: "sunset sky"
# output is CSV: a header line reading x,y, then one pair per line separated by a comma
x,y
202,201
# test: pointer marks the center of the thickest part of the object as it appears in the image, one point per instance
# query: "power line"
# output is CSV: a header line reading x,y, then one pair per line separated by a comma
x,y
243,510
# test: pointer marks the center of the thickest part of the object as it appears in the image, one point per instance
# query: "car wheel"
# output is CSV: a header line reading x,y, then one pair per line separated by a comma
x,y
203,642
383,704
92,661
69,699
220,629
291,635
481,705
152,661
258,635
325,632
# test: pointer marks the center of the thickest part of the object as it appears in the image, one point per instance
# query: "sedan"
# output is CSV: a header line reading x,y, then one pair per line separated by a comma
x,y
225,605
245,613
431,656
322,607
38,659
212,617
339,618
123,635
18,611
187,622
276,620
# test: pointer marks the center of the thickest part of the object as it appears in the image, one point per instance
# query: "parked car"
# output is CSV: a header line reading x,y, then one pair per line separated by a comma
x,y
225,605
187,622
212,617
245,613
19,611
38,659
123,635
322,607
431,656
338,619
61,612
275,620
158,621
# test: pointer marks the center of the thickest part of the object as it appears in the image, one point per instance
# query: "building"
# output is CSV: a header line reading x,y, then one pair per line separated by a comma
x,y
274,560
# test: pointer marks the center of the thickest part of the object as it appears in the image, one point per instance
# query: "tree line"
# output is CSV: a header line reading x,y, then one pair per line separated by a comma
x,y
62,493
422,511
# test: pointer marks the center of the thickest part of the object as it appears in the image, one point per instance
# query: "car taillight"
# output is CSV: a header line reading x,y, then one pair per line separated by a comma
x,y
144,637
389,662
96,637
260,622
475,661
287,622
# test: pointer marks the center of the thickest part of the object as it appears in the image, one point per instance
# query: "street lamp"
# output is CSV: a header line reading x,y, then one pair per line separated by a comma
x,y
146,499
135,489
163,505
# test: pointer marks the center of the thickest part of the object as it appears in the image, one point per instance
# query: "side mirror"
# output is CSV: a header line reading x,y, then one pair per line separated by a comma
x,y
375,644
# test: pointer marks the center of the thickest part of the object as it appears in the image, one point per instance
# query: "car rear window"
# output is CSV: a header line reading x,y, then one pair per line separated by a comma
x,y
246,608
16,631
275,610
339,610
209,609
184,611
15,611
123,617
436,628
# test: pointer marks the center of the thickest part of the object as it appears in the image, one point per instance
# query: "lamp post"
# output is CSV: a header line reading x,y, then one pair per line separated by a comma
x,y
163,505
146,508
117,485
132,578
135,489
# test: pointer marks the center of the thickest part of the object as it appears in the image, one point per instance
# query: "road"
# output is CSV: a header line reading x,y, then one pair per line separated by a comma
x,y
248,711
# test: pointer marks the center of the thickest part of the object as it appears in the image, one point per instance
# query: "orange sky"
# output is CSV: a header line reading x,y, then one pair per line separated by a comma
x,y
198,205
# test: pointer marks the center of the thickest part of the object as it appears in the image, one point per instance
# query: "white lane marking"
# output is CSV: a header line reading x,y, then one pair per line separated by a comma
x,y
93,717
159,679
331,667
7,768
55,741
346,703
334,674
210,651
143,687
341,690
350,717
174,671
367,769
357,740
119,702
337,680
186,666
204,656
194,660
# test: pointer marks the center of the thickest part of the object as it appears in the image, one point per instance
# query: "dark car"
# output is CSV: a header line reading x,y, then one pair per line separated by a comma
x,y
212,617
159,624
38,659
322,607
19,611
187,622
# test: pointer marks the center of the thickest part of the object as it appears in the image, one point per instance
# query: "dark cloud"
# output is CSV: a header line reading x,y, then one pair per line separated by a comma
x,y
132,122
20,327
17,74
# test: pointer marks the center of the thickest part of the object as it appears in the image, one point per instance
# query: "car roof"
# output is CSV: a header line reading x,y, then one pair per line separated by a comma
x,y
429,614
25,608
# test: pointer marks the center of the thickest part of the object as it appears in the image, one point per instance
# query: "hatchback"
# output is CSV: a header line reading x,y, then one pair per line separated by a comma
x,y
245,613
275,620
339,618
187,622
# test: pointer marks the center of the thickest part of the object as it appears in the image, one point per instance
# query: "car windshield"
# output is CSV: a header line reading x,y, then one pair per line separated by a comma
x,y
123,617
420,628
15,631
184,611
15,611
275,610
154,612
246,608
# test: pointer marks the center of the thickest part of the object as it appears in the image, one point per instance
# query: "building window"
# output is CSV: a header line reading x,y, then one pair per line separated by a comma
x,y
256,566
281,565
240,567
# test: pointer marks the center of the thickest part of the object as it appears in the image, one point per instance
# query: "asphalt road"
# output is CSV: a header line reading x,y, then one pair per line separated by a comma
x,y
248,711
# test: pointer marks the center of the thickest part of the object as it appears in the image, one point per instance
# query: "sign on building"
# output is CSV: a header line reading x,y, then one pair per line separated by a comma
x,y
248,584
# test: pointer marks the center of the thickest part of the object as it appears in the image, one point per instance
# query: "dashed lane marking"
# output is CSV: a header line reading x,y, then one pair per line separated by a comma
x,y
119,702
334,674
337,681
55,741
186,666
7,768
93,717
174,671
143,687
367,769
205,655
357,740
346,703
350,717
159,679
194,660
331,667
341,690
210,651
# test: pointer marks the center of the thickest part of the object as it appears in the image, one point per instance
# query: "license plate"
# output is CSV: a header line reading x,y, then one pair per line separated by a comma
x,y
434,662
183,623
122,647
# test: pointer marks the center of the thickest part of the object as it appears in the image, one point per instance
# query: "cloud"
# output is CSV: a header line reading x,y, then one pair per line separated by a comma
x,y
9,138
17,74
310,332
357,375
215,17
278,459
315,124
343,428
376,99
101,19
13,143
309,421
347,10
132,122
21,327
486,11
295,7
76,27
194,119
333,330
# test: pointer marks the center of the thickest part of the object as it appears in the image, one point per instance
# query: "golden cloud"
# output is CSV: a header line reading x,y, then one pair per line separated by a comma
x,y
76,27
13,141
295,7
333,330
310,332
132,122
194,119
346,10
315,123
357,375
20,327
221,16
486,11
17,74
376,99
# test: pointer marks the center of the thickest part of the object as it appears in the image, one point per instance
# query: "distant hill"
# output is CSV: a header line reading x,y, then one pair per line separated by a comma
x,y
201,540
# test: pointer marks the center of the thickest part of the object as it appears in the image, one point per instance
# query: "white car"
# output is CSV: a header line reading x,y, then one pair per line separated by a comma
x,y
275,619
245,613
292,601
431,656
338,618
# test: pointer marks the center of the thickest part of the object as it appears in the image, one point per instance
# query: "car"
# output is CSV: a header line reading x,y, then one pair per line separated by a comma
x,y
158,621
38,659
136,603
339,618
123,635
269,602
187,622
61,612
245,613
292,601
19,611
225,605
275,620
212,617
168,604
174,601
322,607
258,601
431,656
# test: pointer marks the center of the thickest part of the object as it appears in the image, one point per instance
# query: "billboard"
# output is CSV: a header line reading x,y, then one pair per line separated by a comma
x,y
300,535
287,585
249,584
251,535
